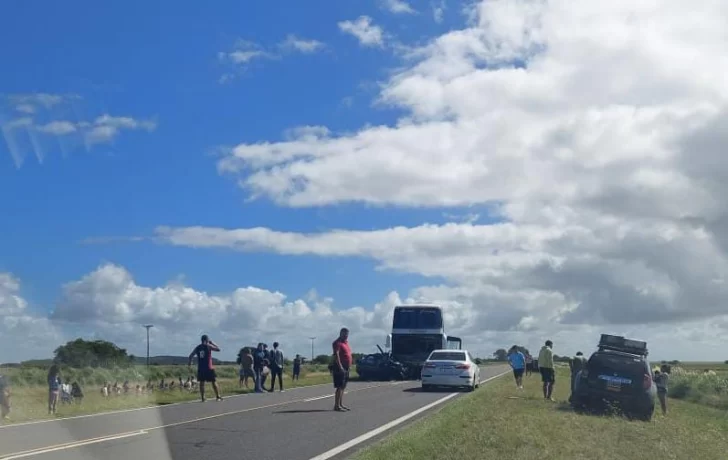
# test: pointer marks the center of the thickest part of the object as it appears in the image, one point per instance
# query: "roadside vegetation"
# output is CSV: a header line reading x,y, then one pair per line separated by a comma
x,y
29,392
499,421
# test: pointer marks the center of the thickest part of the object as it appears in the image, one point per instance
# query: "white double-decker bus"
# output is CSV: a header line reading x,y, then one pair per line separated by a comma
x,y
416,331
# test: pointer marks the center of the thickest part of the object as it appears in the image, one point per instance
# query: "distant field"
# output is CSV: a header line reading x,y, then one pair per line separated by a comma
x,y
500,422
30,398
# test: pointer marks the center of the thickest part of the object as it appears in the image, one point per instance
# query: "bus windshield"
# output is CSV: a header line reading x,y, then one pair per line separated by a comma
x,y
417,318
420,344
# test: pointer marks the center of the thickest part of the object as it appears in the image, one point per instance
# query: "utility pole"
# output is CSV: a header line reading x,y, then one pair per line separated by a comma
x,y
312,339
148,326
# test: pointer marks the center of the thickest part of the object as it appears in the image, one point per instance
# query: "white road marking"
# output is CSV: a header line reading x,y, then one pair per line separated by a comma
x,y
377,431
122,411
71,445
317,398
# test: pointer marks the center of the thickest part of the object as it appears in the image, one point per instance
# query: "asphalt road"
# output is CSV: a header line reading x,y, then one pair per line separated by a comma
x,y
295,425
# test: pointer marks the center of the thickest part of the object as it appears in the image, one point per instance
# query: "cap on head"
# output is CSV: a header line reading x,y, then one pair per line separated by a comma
x,y
578,353
204,338
549,343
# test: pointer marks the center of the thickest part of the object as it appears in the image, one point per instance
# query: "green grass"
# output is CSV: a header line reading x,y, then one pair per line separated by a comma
x,y
497,421
30,401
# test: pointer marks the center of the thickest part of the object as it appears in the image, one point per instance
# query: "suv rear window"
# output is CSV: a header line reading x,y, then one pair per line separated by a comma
x,y
447,356
623,364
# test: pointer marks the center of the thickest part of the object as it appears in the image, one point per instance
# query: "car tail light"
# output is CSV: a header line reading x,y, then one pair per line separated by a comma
x,y
462,366
646,382
430,366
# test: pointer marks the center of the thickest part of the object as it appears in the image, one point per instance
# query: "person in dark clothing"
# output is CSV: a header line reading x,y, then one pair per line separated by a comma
x,y
205,366
276,367
576,364
296,368
54,387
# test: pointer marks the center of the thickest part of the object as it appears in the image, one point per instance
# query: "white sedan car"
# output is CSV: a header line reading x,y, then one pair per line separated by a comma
x,y
450,368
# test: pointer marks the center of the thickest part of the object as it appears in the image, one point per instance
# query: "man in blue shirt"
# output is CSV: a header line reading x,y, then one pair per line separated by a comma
x,y
518,362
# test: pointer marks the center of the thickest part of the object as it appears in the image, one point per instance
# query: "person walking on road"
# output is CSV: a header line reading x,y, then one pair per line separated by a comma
x,y
518,363
340,370
546,367
205,366
276,367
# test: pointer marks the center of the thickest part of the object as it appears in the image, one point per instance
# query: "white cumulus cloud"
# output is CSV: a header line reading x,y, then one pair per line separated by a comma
x,y
397,6
593,138
362,28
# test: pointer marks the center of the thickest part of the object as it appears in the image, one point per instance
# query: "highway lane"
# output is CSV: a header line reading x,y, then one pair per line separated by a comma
x,y
295,425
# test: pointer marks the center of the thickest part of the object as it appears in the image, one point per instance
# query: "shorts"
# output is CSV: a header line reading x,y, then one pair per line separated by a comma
x,y
547,375
206,375
247,373
518,373
341,378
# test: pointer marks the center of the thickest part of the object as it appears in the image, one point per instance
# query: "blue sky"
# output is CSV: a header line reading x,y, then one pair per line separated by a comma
x,y
159,62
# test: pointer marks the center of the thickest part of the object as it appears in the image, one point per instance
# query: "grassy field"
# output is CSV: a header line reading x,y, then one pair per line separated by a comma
x,y
499,421
30,399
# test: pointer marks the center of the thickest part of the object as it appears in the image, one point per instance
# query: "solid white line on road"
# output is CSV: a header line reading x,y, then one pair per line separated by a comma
x,y
317,398
358,440
377,431
71,445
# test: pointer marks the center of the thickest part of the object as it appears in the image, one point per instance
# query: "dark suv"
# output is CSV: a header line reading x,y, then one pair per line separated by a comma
x,y
618,374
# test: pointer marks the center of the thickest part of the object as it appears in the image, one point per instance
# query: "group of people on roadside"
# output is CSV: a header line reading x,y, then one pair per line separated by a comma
x,y
261,362
519,363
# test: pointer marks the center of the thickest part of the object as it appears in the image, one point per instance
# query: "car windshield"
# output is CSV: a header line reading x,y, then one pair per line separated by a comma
x,y
447,356
623,364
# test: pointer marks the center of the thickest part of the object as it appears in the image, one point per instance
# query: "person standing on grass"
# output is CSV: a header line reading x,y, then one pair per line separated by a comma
x,y
529,364
296,368
258,364
518,364
576,364
4,397
205,366
546,367
340,370
276,367
661,378
246,367
54,387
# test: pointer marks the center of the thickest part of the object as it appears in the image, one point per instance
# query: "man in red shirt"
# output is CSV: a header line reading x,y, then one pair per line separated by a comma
x,y
341,365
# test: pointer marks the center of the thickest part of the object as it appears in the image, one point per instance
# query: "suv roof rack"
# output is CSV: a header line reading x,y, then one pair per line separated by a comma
x,y
619,343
